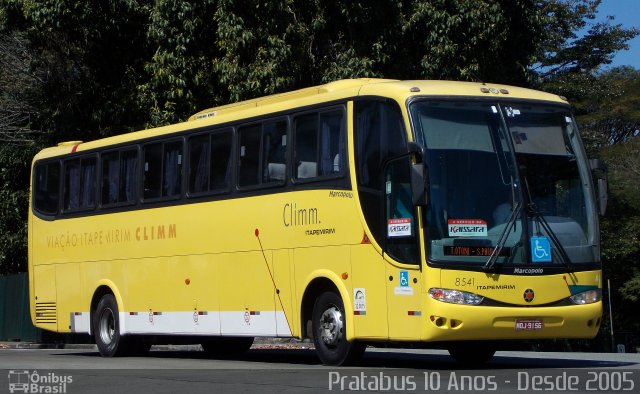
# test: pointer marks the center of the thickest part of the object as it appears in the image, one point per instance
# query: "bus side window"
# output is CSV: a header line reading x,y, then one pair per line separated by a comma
x,y
79,181
401,242
220,171
209,162
162,170
128,192
172,169
249,157
306,146
110,177
152,171
379,135
331,143
47,188
274,146
319,144
199,163
119,177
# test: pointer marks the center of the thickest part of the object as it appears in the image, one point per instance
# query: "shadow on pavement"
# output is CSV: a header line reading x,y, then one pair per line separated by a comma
x,y
390,359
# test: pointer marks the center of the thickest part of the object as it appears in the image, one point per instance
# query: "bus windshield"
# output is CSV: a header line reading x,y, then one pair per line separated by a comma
x,y
508,182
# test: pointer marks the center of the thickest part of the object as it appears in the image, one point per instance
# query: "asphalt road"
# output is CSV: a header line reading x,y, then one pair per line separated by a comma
x,y
298,371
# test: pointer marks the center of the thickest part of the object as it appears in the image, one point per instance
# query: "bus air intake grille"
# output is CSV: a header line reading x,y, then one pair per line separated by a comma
x,y
46,312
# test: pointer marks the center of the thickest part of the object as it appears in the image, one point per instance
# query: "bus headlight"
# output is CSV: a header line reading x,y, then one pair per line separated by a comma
x,y
587,297
455,296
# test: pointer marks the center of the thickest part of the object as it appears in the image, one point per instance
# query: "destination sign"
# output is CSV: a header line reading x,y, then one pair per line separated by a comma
x,y
459,250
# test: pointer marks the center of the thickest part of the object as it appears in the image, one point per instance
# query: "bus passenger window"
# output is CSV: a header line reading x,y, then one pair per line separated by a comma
x,y
71,185
199,164
249,158
172,169
47,188
306,146
128,176
220,171
119,177
152,171
209,162
331,143
319,144
274,137
79,184
110,177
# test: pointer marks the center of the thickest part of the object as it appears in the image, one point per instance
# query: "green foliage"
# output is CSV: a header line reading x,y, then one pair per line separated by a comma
x,y
268,47
631,289
468,39
179,75
14,197
621,227
94,51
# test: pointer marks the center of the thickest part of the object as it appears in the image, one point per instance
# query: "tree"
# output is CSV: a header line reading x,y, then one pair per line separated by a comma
x,y
14,197
617,118
21,88
20,98
93,53
179,78
267,48
620,231
565,51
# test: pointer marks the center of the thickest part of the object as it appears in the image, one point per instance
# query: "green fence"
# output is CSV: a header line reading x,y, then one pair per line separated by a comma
x,y
15,322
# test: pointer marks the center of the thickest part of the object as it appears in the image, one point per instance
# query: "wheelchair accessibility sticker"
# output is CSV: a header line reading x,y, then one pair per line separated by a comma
x,y
404,278
404,288
540,250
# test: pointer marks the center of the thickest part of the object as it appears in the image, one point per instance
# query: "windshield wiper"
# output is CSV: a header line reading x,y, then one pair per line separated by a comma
x,y
491,262
536,215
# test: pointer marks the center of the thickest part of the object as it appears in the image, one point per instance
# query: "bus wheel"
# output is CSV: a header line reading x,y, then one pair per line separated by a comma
x,y
330,334
227,346
472,353
106,327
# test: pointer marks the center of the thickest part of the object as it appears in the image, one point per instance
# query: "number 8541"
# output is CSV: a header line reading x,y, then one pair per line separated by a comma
x,y
462,282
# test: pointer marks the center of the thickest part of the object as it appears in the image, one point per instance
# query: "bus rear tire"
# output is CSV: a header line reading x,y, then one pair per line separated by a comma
x,y
106,328
330,332
472,353
227,346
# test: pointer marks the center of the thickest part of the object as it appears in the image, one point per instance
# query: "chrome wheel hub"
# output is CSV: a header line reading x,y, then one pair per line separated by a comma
x,y
331,324
107,326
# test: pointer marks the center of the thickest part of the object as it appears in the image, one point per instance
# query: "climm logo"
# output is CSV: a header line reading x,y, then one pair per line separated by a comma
x,y
293,216
149,233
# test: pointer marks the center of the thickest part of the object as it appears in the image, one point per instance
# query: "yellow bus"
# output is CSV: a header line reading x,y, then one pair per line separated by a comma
x,y
352,213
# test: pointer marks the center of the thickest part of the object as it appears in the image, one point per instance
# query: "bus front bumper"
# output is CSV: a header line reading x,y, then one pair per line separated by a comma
x,y
463,322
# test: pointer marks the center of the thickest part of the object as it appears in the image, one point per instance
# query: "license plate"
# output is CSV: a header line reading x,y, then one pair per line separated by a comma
x,y
529,324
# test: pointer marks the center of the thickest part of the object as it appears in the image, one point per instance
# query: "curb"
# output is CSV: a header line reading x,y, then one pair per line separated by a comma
x,y
259,343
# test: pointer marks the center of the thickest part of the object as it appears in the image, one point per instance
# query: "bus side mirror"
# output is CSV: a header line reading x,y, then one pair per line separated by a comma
x,y
599,170
419,175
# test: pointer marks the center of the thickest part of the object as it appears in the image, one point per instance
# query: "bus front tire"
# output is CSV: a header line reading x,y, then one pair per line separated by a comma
x,y
330,334
106,328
